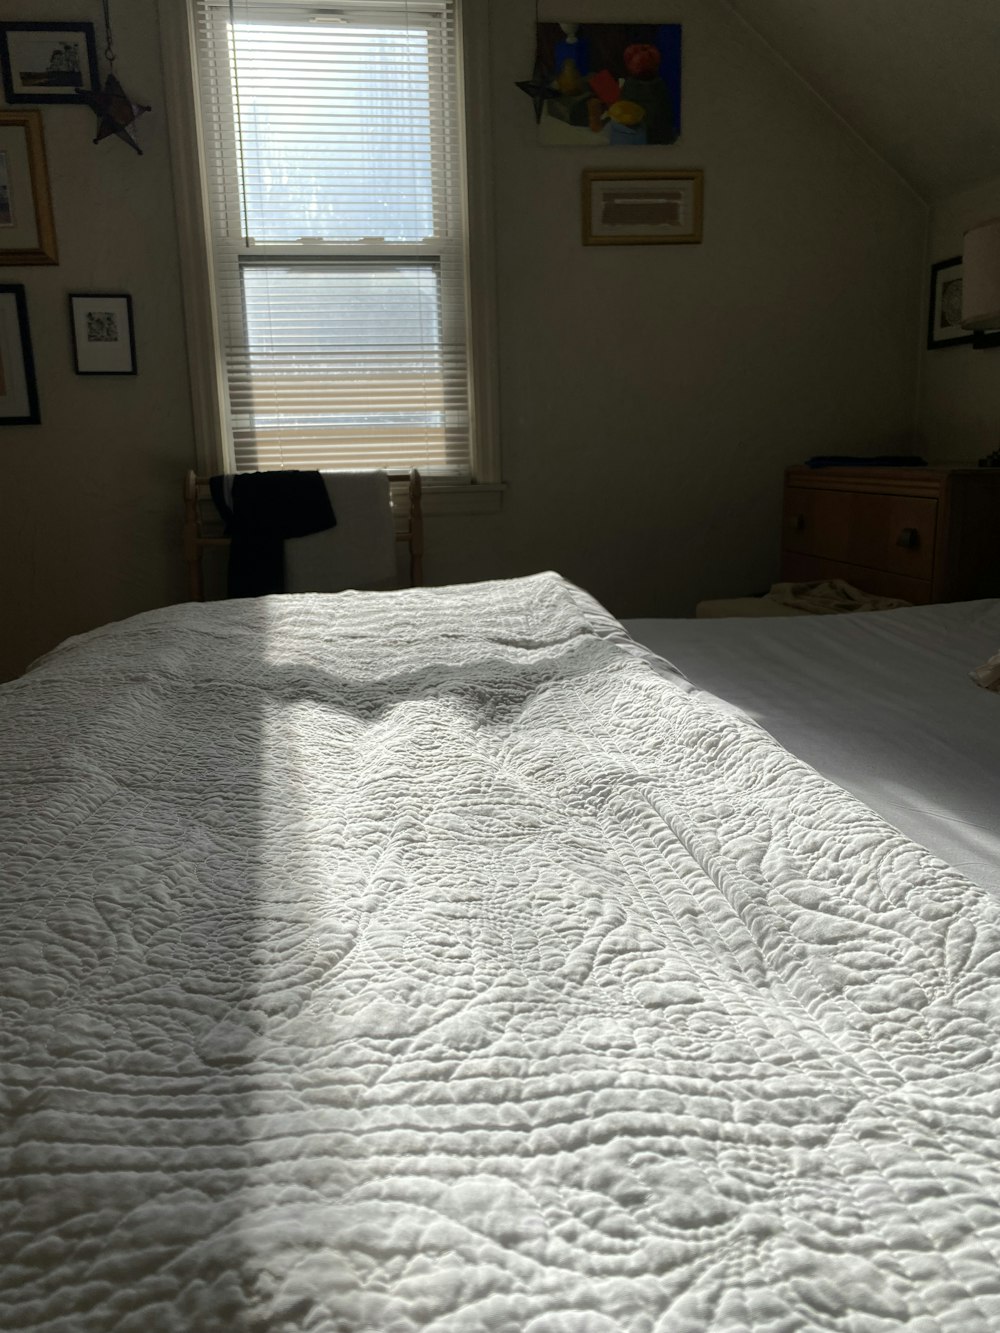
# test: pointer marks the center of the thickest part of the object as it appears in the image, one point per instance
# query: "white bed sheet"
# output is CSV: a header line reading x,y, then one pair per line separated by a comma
x,y
881,703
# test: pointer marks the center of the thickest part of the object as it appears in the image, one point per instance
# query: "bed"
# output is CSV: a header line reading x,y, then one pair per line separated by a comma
x,y
446,960
881,704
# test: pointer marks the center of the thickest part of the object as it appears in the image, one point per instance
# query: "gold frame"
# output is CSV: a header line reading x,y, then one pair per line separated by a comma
x,y
695,175
47,251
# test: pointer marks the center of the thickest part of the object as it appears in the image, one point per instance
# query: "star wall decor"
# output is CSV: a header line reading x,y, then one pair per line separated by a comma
x,y
115,111
538,89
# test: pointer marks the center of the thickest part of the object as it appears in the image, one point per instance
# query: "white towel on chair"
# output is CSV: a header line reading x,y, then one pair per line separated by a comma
x,y
360,552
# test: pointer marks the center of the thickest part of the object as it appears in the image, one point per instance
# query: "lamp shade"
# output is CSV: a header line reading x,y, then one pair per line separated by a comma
x,y
981,276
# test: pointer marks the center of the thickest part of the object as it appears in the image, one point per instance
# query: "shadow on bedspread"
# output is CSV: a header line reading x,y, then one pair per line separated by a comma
x,y
208,964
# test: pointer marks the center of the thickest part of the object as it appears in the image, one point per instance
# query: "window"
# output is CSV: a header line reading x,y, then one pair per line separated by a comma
x,y
332,138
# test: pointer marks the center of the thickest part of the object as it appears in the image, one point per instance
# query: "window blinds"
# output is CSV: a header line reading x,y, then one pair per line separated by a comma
x,y
336,197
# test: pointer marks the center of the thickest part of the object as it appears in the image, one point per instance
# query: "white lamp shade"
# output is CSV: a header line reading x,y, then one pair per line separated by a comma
x,y
981,276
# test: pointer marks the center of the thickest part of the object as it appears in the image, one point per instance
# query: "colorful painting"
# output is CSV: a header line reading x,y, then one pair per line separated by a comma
x,y
609,83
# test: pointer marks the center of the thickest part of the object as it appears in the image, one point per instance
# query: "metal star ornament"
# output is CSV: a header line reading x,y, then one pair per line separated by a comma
x,y
115,111
538,89
113,107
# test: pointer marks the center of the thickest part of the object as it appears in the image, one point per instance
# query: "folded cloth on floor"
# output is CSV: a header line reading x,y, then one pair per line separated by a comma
x,y
830,597
989,675
260,510
360,552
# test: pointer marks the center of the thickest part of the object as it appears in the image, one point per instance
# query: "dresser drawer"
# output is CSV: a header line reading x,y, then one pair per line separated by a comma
x,y
797,568
895,533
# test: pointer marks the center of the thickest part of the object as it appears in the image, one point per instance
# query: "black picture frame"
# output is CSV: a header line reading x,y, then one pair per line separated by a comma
x,y
17,361
942,294
94,351
15,91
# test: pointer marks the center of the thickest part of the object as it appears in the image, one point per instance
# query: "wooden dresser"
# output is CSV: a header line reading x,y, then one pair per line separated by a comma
x,y
923,534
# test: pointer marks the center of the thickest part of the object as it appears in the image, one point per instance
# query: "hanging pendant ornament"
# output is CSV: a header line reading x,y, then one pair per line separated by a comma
x,y
539,87
114,109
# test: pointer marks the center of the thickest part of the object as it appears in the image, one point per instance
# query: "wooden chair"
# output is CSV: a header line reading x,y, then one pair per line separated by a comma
x,y
201,535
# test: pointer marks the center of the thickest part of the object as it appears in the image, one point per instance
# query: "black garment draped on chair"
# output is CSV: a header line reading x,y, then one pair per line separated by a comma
x,y
261,510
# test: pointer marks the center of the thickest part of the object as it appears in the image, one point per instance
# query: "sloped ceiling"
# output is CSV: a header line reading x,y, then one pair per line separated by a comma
x,y
919,80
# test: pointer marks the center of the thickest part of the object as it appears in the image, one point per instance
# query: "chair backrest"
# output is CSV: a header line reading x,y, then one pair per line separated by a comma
x,y
203,529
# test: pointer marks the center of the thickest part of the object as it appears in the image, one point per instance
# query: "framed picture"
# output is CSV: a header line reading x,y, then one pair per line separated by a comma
x,y
642,207
944,327
48,62
27,231
103,336
18,390
613,84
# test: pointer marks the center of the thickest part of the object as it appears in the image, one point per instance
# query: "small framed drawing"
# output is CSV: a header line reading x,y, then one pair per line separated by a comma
x,y
103,336
642,207
48,62
18,390
944,322
27,232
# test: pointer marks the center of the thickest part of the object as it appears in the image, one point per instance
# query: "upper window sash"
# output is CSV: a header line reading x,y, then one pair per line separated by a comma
x,y
426,202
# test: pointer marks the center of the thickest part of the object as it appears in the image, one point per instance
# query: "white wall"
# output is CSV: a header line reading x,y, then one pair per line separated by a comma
x,y
960,389
650,396
89,500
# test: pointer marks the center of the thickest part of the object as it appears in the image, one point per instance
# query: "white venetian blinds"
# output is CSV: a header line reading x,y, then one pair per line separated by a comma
x,y
336,195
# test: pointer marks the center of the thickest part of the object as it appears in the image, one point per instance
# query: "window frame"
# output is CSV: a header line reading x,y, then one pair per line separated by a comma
x,y
212,427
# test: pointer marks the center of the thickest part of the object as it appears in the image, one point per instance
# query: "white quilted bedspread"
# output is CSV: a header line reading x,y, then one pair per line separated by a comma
x,y
439,961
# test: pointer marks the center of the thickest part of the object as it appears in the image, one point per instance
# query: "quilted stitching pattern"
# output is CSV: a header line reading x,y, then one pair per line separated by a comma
x,y
438,960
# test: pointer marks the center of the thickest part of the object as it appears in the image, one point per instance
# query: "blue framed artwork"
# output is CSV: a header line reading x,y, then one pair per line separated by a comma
x,y
613,84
